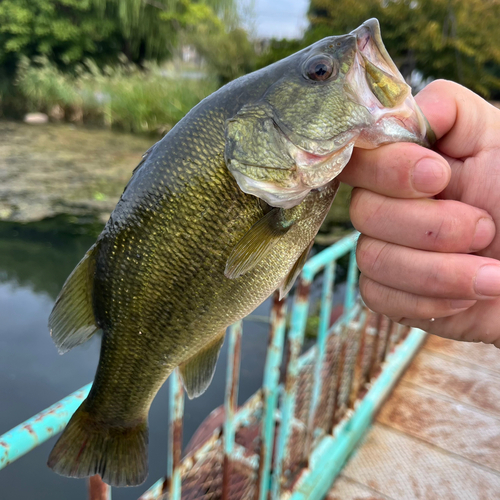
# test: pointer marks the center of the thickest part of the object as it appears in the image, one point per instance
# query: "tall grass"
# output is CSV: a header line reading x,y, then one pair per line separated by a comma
x,y
123,97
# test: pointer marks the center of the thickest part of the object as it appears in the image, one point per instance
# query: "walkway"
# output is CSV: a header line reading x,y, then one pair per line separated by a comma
x,y
438,435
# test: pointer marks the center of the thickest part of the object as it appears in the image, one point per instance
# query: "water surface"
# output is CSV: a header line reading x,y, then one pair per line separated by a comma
x,y
35,260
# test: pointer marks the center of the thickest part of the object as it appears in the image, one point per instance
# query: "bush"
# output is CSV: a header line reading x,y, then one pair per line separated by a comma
x,y
123,97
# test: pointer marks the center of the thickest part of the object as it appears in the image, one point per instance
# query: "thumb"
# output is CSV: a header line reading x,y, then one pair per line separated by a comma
x,y
463,122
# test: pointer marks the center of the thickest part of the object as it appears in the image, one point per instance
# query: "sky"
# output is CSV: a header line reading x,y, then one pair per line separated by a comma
x,y
279,18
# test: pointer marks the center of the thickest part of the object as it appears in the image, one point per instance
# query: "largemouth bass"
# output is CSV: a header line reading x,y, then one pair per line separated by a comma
x,y
219,214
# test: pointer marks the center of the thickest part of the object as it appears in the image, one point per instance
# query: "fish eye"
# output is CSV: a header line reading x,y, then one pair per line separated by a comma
x,y
320,68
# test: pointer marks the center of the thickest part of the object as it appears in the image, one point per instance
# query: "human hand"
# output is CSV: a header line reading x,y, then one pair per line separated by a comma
x,y
423,258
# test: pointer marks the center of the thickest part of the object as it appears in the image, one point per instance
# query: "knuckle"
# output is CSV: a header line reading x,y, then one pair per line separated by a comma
x,y
356,197
423,307
445,279
434,281
366,209
370,293
370,255
443,234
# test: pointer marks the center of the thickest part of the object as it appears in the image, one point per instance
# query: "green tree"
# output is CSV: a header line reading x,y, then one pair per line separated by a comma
x,y
151,28
454,39
67,31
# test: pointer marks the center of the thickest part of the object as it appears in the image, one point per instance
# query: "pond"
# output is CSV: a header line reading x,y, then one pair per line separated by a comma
x,y
35,259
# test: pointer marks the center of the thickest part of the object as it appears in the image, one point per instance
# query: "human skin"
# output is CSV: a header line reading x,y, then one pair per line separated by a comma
x,y
429,246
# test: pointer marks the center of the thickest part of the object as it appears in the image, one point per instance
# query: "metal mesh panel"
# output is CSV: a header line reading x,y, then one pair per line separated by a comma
x,y
248,436
329,370
354,355
304,386
296,458
203,481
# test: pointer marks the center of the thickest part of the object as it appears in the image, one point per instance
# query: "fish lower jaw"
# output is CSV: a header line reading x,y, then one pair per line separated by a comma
x,y
396,127
318,170
311,172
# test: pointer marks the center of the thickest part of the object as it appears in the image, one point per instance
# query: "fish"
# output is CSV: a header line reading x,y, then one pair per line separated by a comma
x,y
218,215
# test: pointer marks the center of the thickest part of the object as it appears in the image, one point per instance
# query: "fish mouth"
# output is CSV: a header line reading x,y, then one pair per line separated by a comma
x,y
369,32
375,82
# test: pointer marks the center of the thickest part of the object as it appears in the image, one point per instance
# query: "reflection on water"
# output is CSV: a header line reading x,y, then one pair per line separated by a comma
x,y
35,260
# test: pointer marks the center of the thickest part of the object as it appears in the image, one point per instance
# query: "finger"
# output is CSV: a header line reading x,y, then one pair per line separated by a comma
x,y
399,170
399,304
425,224
430,274
478,323
463,122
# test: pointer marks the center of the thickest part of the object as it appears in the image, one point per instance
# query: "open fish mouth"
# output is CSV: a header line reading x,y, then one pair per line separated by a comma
x,y
375,82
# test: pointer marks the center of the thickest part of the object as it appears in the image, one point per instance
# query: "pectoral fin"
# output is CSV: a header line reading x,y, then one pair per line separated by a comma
x,y
257,243
198,371
72,320
295,271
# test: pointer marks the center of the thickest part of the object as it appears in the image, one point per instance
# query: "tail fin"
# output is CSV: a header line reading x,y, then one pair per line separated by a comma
x,y
87,447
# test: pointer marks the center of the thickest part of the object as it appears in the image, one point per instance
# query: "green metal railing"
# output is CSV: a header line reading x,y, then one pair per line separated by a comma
x,y
310,413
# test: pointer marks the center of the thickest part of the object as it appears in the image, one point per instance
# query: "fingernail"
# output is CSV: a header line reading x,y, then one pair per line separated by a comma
x,y
461,304
429,176
488,281
485,231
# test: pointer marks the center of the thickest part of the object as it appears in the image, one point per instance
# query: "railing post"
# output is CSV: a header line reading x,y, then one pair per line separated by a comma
x,y
270,395
231,402
176,411
295,340
352,274
98,489
324,324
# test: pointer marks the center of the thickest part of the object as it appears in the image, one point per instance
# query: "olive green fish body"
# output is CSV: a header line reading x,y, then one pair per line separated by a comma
x,y
219,214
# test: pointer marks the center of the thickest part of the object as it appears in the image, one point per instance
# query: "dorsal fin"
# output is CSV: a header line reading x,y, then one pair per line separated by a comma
x,y
295,271
257,243
198,371
72,320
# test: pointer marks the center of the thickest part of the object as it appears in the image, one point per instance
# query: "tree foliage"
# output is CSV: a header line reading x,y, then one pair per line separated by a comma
x,y
64,30
453,39
70,31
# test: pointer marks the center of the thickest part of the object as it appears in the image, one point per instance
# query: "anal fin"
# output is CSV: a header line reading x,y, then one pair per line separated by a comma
x,y
72,320
197,372
295,271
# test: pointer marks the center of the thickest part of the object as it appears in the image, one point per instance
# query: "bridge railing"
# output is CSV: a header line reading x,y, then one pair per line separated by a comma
x,y
292,437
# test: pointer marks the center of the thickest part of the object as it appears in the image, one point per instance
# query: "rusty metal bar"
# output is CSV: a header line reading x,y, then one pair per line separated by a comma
x,y
270,395
352,275
294,345
358,379
98,489
36,430
231,402
172,483
324,323
374,328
